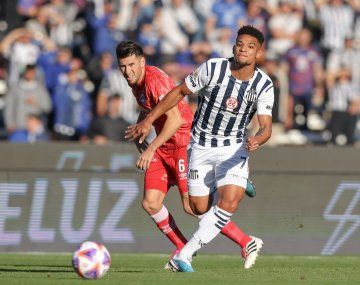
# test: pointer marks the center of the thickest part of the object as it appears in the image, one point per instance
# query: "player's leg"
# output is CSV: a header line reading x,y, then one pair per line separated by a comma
x,y
156,187
230,197
235,164
234,170
153,205
177,169
201,181
230,230
232,173
185,201
211,224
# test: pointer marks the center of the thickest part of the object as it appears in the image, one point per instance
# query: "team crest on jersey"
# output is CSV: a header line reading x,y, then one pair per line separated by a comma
x,y
251,95
232,103
193,174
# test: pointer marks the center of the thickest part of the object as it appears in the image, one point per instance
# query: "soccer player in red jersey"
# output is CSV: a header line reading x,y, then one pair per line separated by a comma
x,y
165,158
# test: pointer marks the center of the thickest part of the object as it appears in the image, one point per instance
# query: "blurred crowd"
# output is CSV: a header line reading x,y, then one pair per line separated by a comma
x,y
59,79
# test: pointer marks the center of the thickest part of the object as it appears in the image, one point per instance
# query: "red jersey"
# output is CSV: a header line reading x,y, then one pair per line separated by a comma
x,y
153,88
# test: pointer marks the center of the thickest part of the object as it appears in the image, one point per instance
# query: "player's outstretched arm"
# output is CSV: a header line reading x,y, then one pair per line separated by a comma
x,y
142,129
172,124
262,135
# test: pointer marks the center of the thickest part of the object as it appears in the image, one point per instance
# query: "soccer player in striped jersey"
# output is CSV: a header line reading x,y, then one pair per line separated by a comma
x,y
165,159
230,92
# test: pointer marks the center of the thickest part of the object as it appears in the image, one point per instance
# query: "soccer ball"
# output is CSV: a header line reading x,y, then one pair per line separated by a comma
x,y
91,260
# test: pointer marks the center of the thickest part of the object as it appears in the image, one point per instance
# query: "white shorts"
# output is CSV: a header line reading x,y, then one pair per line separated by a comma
x,y
211,168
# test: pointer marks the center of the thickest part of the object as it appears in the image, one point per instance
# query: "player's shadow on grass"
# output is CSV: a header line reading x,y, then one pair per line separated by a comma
x,y
39,265
128,271
42,269
54,269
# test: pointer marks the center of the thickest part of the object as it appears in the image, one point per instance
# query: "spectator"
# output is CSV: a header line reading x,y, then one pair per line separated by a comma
x,y
336,18
144,11
303,64
185,17
348,57
257,16
271,66
27,8
221,42
280,81
106,33
225,14
197,54
149,38
29,96
39,23
179,24
72,106
53,64
203,10
115,83
35,131
61,18
176,35
186,61
111,127
98,68
283,26
22,47
344,102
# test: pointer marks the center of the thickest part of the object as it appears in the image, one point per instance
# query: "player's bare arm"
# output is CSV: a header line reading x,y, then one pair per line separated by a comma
x,y
144,145
262,135
142,129
172,124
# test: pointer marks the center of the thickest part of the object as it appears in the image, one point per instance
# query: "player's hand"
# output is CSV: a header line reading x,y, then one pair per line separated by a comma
x,y
144,160
141,129
141,146
252,144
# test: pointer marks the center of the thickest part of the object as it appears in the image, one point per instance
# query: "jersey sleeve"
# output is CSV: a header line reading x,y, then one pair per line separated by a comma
x,y
265,101
161,85
199,78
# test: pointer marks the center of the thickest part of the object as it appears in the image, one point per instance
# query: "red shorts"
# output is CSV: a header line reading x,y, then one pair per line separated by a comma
x,y
168,168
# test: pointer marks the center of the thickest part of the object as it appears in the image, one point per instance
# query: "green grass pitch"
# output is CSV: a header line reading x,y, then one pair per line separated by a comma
x,y
38,269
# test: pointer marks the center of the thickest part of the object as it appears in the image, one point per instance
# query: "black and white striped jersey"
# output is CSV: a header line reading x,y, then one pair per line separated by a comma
x,y
341,95
226,105
337,22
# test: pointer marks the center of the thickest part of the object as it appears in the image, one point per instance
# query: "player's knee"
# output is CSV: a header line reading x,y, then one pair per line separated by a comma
x,y
151,207
199,209
229,206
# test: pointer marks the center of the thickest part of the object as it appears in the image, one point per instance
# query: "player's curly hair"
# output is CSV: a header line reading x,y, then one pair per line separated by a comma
x,y
251,31
128,48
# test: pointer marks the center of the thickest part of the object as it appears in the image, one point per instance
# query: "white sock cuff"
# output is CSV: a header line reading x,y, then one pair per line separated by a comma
x,y
202,215
161,215
222,213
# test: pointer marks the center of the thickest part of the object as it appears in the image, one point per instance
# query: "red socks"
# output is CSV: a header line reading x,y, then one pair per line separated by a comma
x,y
166,223
232,231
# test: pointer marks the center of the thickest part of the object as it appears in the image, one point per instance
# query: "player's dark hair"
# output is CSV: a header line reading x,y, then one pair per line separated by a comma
x,y
251,31
128,48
